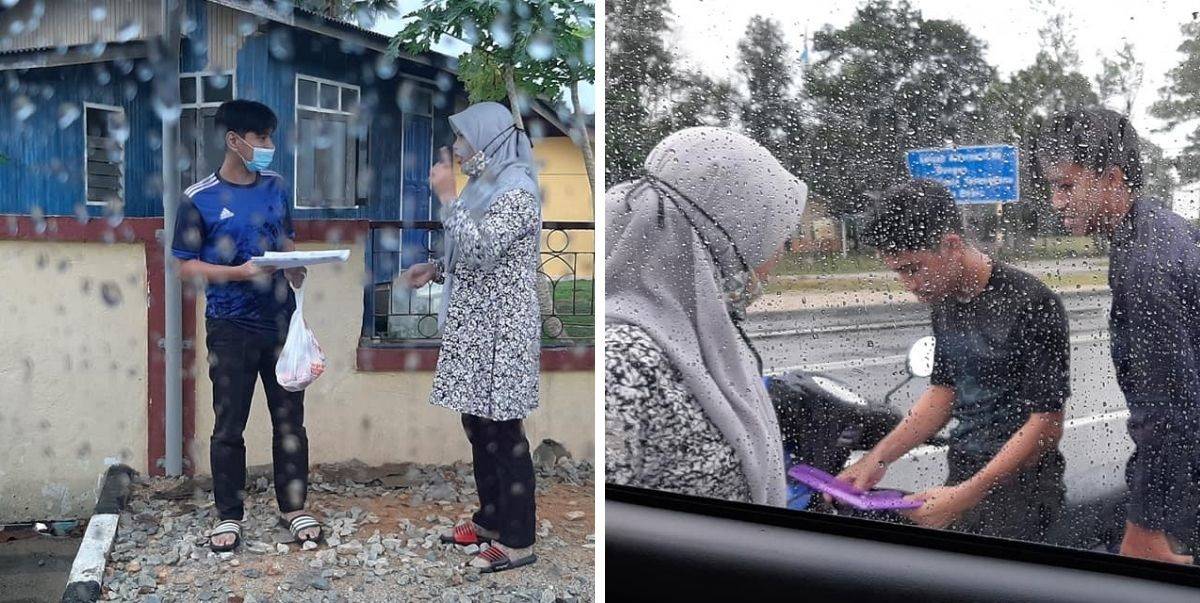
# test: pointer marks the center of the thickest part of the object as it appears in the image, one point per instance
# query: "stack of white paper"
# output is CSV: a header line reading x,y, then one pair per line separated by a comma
x,y
292,259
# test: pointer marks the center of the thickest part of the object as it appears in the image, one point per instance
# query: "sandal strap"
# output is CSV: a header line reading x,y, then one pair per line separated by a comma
x,y
464,530
300,523
227,527
494,555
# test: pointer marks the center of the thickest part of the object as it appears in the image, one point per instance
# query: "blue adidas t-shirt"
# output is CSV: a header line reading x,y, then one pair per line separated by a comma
x,y
223,223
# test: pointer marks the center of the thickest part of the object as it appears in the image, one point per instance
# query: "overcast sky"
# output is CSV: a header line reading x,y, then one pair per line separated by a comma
x,y
707,32
455,48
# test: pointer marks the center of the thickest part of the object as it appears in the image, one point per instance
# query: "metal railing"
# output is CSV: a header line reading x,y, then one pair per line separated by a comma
x,y
399,316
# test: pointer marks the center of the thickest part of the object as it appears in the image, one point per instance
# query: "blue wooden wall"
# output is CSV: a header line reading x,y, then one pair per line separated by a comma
x,y
44,163
43,169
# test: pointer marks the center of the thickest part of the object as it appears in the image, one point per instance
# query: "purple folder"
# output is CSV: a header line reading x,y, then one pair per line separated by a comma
x,y
872,500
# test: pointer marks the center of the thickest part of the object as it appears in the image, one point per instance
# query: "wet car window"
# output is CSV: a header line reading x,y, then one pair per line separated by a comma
x,y
973,307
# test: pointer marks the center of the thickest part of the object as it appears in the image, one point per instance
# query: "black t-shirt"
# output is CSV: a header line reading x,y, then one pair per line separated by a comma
x,y
1006,353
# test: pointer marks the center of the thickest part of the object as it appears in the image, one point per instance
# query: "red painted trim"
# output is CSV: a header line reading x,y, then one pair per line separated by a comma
x,y
574,358
383,360
132,230
331,231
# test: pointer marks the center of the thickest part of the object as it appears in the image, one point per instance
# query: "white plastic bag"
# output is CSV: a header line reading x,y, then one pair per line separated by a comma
x,y
301,361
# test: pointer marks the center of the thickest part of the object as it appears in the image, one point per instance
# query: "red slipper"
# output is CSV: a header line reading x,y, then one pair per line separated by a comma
x,y
464,534
499,561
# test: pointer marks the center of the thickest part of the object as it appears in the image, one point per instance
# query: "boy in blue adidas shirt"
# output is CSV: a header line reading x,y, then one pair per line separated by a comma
x,y
239,212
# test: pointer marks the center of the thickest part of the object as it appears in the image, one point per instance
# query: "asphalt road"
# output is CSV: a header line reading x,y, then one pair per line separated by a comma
x,y
866,347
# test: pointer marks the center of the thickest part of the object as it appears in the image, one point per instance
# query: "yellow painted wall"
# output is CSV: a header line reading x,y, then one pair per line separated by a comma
x,y
383,417
72,373
566,196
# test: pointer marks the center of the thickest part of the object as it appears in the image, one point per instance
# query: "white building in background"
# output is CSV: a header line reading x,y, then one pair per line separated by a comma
x,y
1186,200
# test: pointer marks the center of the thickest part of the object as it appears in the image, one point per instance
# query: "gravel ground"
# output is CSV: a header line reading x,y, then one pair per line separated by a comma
x,y
382,527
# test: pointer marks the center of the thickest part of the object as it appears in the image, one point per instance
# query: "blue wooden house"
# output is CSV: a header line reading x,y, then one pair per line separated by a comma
x,y
80,125
81,117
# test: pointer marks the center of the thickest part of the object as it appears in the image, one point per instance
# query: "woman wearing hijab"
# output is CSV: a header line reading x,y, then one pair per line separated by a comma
x,y
687,248
490,322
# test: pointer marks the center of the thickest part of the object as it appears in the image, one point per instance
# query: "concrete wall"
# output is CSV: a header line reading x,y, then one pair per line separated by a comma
x,y
382,417
72,373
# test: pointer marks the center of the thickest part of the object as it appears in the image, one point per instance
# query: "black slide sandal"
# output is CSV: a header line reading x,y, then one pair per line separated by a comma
x,y
302,522
228,526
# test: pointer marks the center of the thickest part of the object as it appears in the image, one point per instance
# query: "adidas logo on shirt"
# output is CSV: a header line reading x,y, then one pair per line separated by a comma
x,y
225,213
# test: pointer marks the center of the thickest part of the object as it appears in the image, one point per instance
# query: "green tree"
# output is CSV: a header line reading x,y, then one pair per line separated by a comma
x,y
349,10
698,100
769,113
1180,100
639,78
888,82
1018,107
1120,80
518,48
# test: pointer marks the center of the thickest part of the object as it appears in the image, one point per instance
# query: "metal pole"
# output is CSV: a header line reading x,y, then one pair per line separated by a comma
x,y
167,89
845,250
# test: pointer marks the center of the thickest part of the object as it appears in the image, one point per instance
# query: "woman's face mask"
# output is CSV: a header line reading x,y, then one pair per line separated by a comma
x,y
740,292
473,162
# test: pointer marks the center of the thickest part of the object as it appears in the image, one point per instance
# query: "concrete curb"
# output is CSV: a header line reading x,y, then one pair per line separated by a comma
x,y
87,572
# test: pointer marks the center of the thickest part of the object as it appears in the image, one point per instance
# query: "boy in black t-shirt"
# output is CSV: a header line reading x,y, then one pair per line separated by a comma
x,y
1001,370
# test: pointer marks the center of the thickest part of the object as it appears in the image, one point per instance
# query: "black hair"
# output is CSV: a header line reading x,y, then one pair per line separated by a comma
x,y
241,116
912,216
1095,138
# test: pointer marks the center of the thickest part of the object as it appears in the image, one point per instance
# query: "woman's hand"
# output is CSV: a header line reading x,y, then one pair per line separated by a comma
x,y
441,177
418,275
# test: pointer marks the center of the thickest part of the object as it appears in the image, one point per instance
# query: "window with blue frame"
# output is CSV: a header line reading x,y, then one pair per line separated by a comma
x,y
331,150
200,95
105,131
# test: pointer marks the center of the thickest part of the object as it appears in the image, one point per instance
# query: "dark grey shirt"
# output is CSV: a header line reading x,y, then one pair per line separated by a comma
x,y
1154,275
1006,354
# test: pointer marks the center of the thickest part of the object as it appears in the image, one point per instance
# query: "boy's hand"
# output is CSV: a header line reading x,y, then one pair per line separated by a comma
x,y
862,474
942,505
296,275
250,271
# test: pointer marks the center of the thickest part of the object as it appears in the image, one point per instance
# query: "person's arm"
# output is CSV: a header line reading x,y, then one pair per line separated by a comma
x,y
1040,433
188,242
928,416
215,273
480,243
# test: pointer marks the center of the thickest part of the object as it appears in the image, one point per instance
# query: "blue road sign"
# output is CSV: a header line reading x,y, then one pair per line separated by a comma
x,y
984,174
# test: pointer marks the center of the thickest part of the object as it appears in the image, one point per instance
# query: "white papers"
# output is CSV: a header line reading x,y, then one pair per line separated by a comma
x,y
292,259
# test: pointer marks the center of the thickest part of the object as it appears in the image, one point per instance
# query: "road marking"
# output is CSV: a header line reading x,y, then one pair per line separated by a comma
x,y
839,365
874,326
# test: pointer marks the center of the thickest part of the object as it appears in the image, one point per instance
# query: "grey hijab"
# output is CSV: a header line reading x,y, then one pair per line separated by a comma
x,y
488,127
665,261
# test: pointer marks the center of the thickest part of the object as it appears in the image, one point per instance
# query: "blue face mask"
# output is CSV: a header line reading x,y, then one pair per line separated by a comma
x,y
260,159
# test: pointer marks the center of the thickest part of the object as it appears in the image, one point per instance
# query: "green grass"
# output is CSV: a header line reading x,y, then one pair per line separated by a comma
x,y
574,306
1054,248
833,263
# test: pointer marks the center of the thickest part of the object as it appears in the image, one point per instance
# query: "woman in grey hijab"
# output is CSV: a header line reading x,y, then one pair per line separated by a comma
x,y
686,250
490,322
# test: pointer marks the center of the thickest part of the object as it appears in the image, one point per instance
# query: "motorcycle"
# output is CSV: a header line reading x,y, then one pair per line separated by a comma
x,y
824,422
